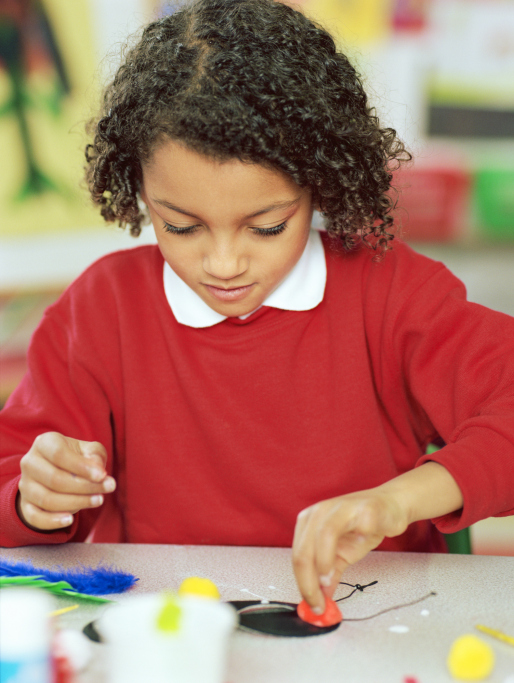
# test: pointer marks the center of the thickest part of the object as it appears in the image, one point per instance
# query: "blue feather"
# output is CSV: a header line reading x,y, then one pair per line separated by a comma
x,y
102,580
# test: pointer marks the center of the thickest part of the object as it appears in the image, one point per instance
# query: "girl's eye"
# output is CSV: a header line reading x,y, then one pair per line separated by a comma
x,y
267,232
264,232
180,231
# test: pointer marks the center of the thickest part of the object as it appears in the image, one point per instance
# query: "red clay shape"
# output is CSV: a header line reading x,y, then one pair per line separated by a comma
x,y
331,616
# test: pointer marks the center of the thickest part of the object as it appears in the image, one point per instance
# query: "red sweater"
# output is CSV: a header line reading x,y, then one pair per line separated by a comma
x,y
222,435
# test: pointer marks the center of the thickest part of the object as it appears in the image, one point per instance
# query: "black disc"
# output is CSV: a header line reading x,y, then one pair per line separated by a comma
x,y
276,619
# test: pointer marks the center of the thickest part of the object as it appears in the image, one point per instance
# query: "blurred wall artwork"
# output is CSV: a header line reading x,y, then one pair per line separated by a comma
x,y
471,85
470,100
46,65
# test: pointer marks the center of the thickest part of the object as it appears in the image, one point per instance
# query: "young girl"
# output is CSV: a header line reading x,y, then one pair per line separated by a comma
x,y
248,381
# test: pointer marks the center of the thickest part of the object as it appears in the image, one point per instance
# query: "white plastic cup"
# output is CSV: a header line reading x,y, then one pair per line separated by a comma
x,y
25,636
196,652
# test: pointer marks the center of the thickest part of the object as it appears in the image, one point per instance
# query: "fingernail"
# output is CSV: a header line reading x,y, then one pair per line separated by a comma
x,y
109,485
66,520
96,500
96,474
317,610
326,579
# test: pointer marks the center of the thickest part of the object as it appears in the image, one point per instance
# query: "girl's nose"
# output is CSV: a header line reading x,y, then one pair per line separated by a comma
x,y
225,263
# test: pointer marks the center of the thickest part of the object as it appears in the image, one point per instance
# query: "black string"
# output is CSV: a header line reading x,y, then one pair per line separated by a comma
x,y
356,587
390,609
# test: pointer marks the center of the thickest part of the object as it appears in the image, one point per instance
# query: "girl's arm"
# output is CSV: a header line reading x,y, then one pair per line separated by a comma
x,y
51,422
338,532
442,366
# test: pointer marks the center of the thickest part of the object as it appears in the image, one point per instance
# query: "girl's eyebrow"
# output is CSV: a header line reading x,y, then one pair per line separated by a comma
x,y
272,207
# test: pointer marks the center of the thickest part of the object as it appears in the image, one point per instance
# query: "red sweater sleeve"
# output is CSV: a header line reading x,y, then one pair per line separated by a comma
x,y
457,359
65,391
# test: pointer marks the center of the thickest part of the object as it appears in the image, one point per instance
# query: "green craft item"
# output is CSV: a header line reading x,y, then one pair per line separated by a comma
x,y
60,588
168,619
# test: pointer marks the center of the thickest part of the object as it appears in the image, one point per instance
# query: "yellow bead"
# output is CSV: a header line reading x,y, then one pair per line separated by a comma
x,y
470,659
195,585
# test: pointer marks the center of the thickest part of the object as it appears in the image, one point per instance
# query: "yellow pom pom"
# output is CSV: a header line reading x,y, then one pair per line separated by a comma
x,y
470,659
203,588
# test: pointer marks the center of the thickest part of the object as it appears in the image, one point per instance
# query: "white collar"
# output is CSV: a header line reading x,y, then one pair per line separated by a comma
x,y
301,290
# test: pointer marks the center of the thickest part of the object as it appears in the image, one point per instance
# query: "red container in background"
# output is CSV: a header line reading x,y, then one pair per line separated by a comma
x,y
433,203
410,15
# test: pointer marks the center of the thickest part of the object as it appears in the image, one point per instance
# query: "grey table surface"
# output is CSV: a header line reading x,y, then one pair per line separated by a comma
x,y
410,641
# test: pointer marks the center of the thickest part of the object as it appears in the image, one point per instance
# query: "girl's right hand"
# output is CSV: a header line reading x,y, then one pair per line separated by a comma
x,y
59,477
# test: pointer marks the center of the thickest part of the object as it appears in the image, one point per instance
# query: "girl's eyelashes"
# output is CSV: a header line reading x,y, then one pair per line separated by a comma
x,y
264,232
180,231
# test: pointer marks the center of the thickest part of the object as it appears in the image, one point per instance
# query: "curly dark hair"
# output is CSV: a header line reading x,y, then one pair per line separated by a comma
x,y
254,80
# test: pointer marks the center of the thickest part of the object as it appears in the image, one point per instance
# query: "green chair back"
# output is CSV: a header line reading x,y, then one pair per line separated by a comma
x,y
459,542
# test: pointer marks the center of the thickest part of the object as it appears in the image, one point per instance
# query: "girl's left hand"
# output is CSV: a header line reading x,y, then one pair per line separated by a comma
x,y
338,532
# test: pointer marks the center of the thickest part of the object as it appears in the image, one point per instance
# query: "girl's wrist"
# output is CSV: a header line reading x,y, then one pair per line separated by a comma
x,y
424,493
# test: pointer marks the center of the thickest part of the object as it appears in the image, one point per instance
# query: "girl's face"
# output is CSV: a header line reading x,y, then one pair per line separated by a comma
x,y
232,231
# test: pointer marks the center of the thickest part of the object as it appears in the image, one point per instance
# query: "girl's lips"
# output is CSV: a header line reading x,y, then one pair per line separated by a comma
x,y
235,294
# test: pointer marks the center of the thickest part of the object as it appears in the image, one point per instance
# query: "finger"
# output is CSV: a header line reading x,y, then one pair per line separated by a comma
x,y
49,501
326,523
94,451
340,567
93,456
355,546
330,580
304,565
333,524
61,481
364,533
67,454
40,520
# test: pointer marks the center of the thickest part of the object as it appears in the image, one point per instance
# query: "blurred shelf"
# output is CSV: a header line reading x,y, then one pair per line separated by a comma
x,y
486,269
51,262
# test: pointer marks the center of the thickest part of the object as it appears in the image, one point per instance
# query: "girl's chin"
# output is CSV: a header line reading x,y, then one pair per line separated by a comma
x,y
233,311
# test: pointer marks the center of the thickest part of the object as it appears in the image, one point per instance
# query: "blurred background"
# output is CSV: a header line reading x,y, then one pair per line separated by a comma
x,y
441,72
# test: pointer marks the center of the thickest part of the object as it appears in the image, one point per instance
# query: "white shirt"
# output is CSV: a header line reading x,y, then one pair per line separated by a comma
x,y
302,289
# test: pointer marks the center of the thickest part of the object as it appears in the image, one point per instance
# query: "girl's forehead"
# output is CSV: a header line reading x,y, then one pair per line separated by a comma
x,y
174,164
181,180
